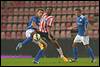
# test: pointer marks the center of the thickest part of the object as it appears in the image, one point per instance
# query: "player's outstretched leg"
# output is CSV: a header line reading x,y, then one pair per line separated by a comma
x,y
26,41
65,59
90,53
42,46
57,46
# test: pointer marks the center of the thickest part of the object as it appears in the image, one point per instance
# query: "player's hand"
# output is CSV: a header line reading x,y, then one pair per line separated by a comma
x,y
86,33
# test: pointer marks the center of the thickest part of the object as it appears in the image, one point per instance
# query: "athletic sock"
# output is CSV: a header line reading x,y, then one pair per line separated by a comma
x,y
75,53
60,52
90,52
39,55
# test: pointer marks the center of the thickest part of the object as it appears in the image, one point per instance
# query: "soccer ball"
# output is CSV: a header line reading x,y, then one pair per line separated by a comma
x,y
36,37
70,60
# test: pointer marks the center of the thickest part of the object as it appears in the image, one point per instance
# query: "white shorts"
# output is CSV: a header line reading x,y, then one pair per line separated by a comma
x,y
28,32
83,39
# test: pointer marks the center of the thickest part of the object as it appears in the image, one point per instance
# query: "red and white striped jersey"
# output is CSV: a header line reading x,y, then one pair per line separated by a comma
x,y
45,22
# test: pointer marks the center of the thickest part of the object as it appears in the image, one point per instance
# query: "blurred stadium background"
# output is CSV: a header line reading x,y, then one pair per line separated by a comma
x,y
15,15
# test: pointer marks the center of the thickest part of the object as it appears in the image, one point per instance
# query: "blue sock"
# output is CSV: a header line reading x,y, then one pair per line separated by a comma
x,y
90,52
75,52
39,55
27,40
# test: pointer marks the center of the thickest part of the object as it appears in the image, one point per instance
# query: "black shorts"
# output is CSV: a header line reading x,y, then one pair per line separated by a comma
x,y
43,35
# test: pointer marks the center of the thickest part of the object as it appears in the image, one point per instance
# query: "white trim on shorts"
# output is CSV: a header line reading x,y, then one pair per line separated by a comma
x,y
83,39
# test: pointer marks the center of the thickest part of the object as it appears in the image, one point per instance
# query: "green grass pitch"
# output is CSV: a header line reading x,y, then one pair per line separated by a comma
x,y
46,62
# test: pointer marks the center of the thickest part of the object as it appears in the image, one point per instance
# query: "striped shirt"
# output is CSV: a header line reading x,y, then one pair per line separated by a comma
x,y
45,22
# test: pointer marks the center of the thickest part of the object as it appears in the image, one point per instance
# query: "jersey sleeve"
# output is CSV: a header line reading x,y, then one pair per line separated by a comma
x,y
33,19
51,21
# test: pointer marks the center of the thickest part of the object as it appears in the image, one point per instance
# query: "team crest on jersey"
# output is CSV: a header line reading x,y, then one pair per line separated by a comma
x,y
80,19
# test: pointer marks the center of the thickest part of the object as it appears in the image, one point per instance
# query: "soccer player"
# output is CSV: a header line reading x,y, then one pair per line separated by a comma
x,y
33,25
82,35
44,31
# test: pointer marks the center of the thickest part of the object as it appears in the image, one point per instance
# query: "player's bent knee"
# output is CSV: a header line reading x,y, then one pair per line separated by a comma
x,y
87,46
74,45
42,45
45,46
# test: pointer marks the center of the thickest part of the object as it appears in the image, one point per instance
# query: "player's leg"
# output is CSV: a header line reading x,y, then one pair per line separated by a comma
x,y
90,52
40,53
75,48
27,40
89,49
75,52
57,46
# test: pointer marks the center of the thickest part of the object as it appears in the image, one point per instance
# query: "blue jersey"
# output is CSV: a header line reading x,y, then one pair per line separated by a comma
x,y
82,24
33,19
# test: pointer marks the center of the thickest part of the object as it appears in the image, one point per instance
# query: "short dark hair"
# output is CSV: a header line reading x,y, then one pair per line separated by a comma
x,y
78,9
40,9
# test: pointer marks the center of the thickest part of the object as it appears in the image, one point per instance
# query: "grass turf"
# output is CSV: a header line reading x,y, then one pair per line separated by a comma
x,y
46,62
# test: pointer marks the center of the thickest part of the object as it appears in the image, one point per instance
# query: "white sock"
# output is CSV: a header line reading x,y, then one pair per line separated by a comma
x,y
60,52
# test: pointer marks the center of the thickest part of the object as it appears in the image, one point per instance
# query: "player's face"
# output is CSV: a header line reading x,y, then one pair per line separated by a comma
x,y
77,13
40,13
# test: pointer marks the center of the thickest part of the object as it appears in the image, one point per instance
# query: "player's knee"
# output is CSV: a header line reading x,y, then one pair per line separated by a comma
x,y
42,47
45,45
87,46
74,45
